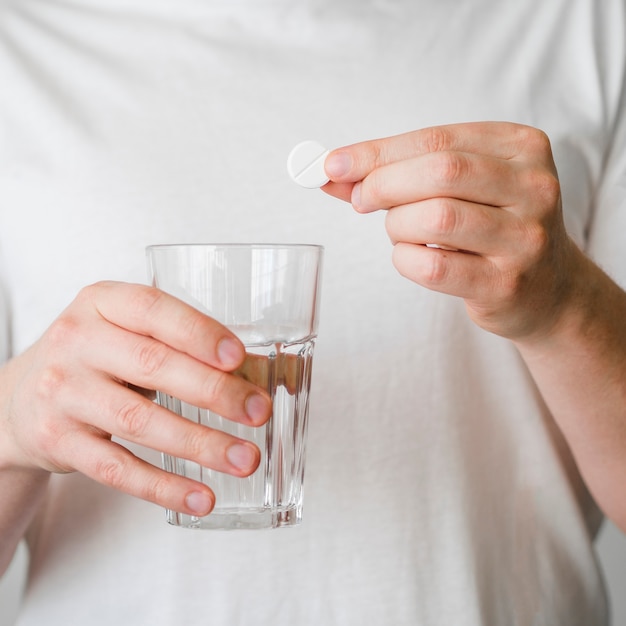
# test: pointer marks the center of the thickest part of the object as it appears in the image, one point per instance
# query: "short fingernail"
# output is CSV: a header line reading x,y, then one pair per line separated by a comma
x,y
229,352
199,502
338,164
242,456
257,408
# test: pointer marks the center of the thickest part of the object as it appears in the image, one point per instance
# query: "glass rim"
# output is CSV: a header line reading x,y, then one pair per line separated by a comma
x,y
217,245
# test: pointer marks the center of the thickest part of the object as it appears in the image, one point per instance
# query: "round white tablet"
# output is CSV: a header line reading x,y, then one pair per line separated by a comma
x,y
305,164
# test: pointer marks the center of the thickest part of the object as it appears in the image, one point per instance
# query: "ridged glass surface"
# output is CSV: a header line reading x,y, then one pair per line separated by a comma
x,y
272,496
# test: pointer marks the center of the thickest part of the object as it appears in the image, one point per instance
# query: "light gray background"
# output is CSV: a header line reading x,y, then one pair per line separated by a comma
x,y
611,548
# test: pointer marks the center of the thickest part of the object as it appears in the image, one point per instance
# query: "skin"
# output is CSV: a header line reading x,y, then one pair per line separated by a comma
x,y
489,192
87,378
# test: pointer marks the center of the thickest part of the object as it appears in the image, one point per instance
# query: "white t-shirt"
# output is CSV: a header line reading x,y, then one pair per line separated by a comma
x,y
438,490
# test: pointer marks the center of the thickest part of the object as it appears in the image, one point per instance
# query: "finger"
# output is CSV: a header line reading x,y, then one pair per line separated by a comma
x,y
146,362
154,313
462,175
455,224
113,465
342,191
502,140
447,271
132,417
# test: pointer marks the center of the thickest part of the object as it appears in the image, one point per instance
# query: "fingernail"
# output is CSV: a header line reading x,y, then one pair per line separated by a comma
x,y
257,408
338,164
229,352
242,456
199,502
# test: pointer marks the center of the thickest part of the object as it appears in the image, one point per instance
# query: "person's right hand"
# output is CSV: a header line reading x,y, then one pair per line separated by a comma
x,y
85,381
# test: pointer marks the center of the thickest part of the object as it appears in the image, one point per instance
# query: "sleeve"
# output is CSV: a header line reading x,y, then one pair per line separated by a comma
x,y
606,242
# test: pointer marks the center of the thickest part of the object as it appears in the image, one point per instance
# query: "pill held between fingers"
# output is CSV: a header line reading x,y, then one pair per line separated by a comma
x,y
305,164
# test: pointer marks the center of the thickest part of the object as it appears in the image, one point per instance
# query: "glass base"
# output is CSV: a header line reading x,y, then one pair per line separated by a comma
x,y
239,519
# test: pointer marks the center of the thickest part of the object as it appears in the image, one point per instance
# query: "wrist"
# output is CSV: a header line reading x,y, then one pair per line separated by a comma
x,y
587,308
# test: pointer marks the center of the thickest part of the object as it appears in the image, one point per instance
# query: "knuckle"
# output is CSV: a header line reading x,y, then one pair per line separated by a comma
x,y
434,139
543,188
50,383
157,489
52,423
90,294
436,271
112,471
63,332
449,168
146,298
195,443
534,139
445,218
375,154
190,325
143,300
86,294
49,435
133,419
115,470
541,184
514,277
215,386
150,357
548,188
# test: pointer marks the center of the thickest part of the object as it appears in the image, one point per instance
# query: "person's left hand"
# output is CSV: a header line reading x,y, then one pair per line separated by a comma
x,y
488,195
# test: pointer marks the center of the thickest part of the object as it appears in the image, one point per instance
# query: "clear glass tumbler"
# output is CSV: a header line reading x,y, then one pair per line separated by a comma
x,y
268,295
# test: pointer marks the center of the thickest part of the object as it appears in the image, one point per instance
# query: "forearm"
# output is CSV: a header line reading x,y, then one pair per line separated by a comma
x,y
22,486
489,197
580,369
22,492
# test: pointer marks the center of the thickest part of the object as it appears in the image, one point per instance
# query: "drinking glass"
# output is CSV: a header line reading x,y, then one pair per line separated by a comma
x,y
268,295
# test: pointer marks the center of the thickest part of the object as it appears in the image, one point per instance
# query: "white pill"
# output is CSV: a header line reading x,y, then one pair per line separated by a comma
x,y
305,164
